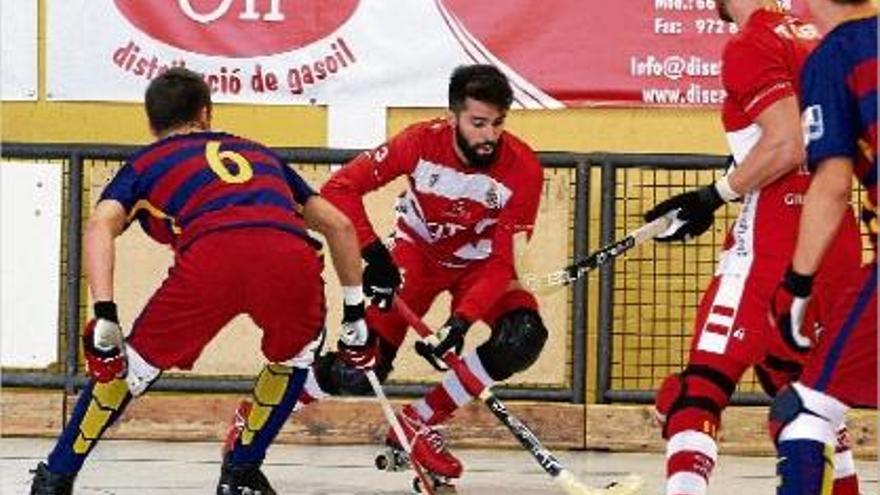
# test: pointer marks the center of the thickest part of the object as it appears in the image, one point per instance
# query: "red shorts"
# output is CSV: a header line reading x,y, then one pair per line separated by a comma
x,y
270,275
423,281
845,363
732,331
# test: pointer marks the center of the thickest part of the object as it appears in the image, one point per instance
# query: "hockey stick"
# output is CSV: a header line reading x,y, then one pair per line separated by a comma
x,y
553,281
398,430
551,465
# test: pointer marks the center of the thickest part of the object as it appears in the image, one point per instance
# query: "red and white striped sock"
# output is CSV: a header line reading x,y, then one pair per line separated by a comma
x,y
690,458
846,481
441,401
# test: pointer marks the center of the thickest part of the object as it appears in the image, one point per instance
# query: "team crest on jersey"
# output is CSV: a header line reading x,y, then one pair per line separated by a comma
x,y
493,201
814,126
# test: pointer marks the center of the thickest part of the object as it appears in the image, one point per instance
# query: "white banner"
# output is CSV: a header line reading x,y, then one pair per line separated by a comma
x,y
374,53
18,50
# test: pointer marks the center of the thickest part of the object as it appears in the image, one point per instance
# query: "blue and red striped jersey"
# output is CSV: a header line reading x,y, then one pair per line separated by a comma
x,y
187,185
840,103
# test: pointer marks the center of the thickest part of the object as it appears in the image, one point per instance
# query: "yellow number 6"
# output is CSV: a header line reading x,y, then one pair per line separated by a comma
x,y
215,158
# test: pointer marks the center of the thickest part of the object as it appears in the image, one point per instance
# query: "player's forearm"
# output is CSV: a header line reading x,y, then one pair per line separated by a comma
x,y
770,159
338,231
346,254
826,202
99,246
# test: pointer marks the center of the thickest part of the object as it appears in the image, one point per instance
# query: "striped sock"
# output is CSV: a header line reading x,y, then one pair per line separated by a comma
x,y
846,481
441,401
690,458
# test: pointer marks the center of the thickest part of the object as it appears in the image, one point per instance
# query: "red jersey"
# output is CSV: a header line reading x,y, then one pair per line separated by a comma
x,y
761,66
457,214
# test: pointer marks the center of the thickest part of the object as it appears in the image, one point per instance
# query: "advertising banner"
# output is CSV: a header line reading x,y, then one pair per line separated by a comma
x,y
391,52
18,50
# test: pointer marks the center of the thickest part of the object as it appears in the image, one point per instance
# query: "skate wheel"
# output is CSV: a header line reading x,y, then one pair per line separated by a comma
x,y
382,462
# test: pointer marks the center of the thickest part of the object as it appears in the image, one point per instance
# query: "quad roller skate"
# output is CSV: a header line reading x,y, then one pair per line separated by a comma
x,y
393,458
429,457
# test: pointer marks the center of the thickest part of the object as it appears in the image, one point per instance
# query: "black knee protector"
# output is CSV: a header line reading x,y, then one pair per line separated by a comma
x,y
335,377
517,339
693,400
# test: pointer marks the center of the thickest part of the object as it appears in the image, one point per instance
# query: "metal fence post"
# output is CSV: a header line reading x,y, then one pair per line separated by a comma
x,y
74,269
579,294
604,344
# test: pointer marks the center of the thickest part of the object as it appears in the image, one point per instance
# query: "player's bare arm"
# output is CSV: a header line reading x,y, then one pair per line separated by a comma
x,y
779,150
325,218
104,225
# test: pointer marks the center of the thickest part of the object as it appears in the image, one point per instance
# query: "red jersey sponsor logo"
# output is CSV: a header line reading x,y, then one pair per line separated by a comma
x,y
237,28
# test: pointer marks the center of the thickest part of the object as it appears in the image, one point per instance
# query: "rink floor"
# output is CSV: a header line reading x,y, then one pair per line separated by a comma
x,y
165,468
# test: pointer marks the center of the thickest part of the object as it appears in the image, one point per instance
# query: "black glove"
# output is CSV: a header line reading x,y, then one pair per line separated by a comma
x,y
696,212
792,313
381,275
451,336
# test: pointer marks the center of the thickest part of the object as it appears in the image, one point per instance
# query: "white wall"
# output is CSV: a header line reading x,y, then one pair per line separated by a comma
x,y
30,250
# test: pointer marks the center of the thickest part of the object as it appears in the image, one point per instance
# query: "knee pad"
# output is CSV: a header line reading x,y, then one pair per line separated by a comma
x,y
693,400
517,339
812,415
335,377
786,406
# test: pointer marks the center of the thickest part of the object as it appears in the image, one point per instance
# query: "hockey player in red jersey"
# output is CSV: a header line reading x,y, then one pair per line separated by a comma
x,y
732,333
473,195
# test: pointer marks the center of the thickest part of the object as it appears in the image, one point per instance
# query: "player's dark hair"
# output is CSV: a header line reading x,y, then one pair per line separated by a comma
x,y
850,2
481,82
176,97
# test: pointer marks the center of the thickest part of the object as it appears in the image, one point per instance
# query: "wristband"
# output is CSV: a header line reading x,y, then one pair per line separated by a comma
x,y
799,285
352,295
726,192
106,310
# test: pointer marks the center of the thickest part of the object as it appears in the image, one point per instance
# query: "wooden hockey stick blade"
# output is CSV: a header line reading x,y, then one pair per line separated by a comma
x,y
632,485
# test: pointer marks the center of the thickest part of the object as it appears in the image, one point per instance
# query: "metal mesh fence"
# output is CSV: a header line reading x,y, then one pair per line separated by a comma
x,y
657,288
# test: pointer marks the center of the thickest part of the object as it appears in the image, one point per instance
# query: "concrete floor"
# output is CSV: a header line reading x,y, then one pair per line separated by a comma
x,y
165,468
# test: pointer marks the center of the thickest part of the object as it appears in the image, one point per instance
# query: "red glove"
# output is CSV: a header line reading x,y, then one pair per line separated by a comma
x,y
103,344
